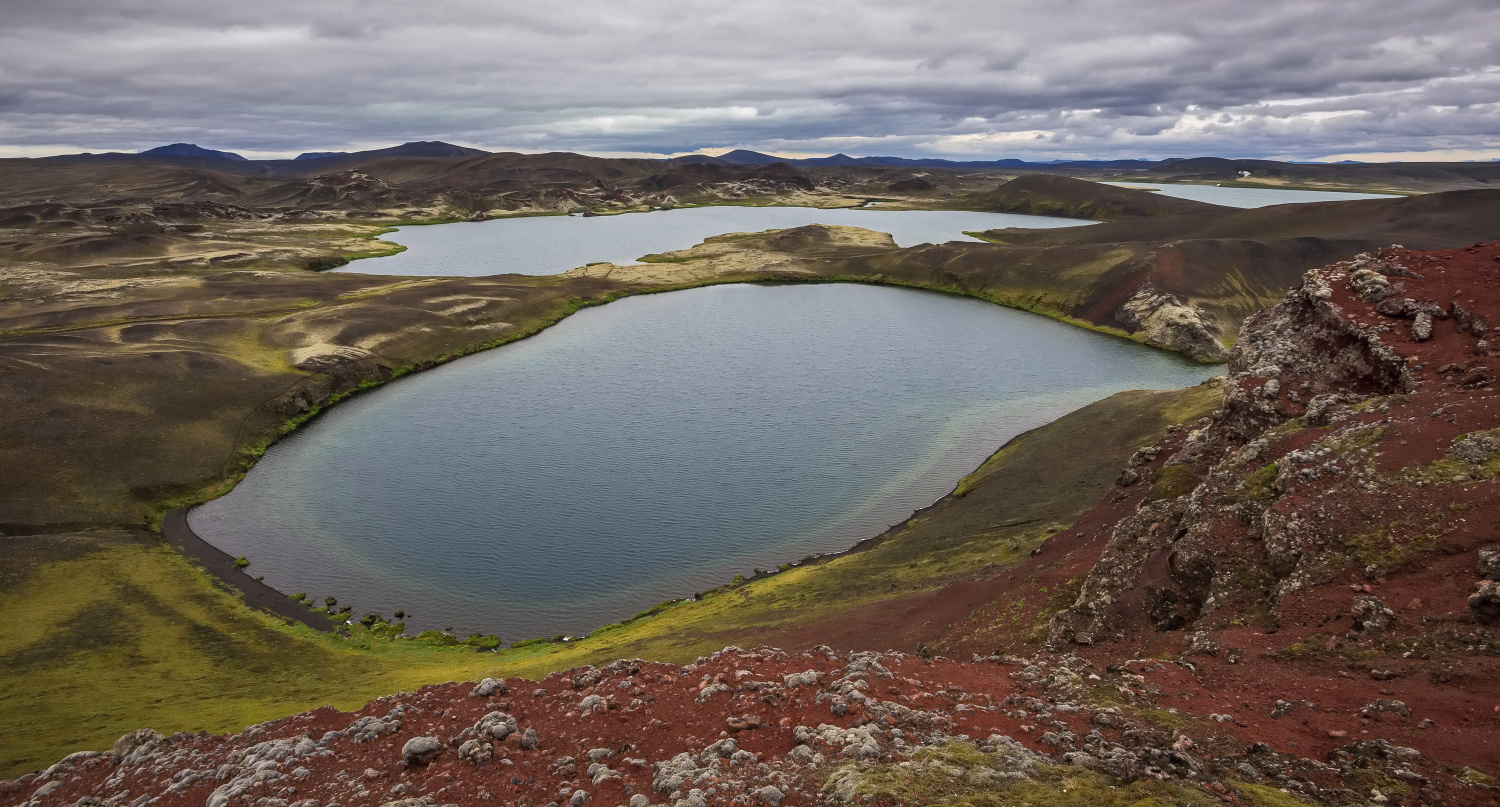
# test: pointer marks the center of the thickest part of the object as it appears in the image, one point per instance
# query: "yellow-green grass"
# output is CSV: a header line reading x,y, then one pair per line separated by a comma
x,y
104,632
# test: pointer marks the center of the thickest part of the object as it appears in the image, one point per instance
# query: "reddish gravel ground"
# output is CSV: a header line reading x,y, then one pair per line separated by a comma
x,y
649,713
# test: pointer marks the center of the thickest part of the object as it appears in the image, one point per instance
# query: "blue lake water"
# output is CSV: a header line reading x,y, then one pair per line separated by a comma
x,y
655,447
1247,197
548,245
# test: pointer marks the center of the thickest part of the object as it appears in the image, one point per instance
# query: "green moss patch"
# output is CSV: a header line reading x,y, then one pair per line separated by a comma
x,y
1266,796
1173,481
1456,467
1258,486
962,774
1395,545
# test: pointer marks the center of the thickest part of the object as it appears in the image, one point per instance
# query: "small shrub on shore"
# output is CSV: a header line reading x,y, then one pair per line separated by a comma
x,y
439,638
483,643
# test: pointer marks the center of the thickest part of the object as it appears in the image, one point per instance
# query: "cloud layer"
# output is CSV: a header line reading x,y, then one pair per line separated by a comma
x,y
954,78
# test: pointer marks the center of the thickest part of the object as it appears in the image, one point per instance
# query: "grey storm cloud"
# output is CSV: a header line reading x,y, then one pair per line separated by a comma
x,y
958,79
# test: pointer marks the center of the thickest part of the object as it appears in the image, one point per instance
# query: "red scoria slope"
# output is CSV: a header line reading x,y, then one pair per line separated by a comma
x,y
740,727
1328,539
1295,598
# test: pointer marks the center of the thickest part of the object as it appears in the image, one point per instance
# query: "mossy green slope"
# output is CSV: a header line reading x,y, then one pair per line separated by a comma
x,y
108,631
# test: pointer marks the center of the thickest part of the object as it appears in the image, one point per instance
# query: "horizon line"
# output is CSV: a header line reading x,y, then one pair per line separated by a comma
x,y
1435,155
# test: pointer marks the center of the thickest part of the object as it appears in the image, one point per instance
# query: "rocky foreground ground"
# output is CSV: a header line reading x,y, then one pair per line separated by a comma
x,y
752,727
1292,601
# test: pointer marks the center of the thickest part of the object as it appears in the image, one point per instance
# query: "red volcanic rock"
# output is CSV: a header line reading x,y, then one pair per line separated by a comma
x,y
438,745
1335,415
666,747
743,723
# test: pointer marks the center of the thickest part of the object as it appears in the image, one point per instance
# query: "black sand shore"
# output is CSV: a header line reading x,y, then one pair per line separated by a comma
x,y
217,562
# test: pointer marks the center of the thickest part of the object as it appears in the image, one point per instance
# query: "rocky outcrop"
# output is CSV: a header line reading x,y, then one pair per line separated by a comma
x,y
1307,346
1278,491
1162,320
345,365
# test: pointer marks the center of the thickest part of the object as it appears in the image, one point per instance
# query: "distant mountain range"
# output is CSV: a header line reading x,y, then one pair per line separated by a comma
x,y
189,155
439,149
452,167
436,149
744,157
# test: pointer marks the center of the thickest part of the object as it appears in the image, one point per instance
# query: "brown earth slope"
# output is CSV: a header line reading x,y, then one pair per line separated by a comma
x,y
141,391
1051,195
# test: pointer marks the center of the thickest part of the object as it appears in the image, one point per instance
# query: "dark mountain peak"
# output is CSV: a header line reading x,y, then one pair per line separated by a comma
x,y
746,157
427,148
324,161
190,150
845,160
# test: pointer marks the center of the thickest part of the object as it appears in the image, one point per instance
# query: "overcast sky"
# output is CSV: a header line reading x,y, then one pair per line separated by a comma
x,y
987,79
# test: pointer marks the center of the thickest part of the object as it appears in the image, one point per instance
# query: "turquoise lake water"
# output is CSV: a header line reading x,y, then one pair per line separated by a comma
x,y
657,446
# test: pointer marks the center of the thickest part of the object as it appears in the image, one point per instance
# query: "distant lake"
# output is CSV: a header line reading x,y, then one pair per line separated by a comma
x,y
657,446
1248,197
548,245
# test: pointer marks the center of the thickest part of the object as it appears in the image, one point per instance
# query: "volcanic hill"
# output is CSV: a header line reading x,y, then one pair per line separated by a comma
x,y
1292,600
1052,195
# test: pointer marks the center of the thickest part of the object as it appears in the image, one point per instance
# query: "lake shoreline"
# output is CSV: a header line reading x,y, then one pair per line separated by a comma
x,y
892,477
178,532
